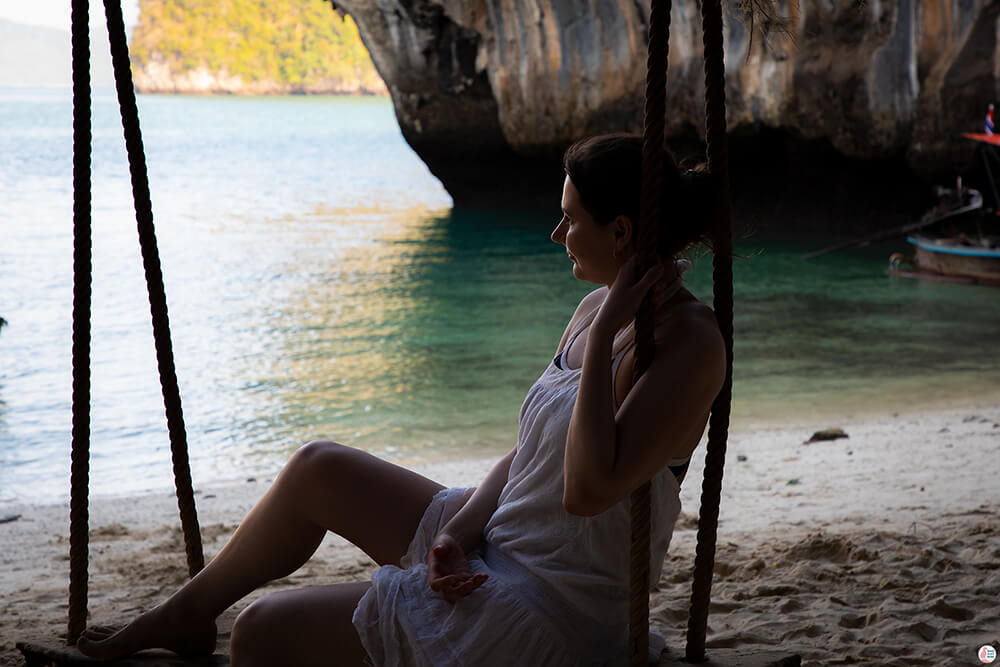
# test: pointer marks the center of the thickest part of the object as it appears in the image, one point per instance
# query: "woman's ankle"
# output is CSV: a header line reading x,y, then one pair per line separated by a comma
x,y
179,610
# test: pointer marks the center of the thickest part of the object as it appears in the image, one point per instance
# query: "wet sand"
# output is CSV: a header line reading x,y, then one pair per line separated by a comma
x,y
880,548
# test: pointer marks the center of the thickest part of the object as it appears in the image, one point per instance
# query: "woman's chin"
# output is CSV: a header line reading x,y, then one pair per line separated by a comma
x,y
579,274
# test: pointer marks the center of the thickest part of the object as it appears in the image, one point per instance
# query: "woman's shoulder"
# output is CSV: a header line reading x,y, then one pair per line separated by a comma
x,y
691,320
593,299
693,332
589,303
694,313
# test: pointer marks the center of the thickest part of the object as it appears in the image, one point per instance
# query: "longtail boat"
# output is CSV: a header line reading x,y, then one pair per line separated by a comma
x,y
951,259
967,249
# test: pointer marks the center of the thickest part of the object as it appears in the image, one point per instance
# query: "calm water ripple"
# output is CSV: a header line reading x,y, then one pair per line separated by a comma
x,y
320,287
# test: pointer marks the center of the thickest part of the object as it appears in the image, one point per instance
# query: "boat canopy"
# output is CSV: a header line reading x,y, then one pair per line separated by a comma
x,y
992,139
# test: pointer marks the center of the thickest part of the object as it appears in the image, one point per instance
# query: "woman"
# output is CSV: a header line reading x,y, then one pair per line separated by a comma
x,y
530,565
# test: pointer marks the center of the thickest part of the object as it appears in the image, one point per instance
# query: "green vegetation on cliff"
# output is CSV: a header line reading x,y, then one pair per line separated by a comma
x,y
298,43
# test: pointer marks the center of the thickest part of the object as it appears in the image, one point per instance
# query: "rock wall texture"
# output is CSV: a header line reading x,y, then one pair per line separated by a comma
x,y
158,77
486,88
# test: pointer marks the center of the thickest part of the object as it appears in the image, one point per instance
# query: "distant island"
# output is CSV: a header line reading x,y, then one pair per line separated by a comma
x,y
249,47
39,57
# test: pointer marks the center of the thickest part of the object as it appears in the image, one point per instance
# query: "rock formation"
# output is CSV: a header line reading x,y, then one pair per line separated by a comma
x,y
489,92
157,76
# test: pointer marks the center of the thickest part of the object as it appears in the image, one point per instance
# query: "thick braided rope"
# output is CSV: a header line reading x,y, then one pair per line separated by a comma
x,y
154,285
79,517
718,157
649,216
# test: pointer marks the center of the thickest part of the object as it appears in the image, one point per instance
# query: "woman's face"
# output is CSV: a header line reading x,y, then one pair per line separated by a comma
x,y
590,246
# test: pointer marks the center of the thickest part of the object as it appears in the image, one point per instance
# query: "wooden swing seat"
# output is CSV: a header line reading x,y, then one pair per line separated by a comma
x,y
38,654
41,654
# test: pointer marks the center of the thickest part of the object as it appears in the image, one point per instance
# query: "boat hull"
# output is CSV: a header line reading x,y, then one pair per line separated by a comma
x,y
940,257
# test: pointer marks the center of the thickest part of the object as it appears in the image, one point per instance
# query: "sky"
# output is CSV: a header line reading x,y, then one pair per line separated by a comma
x,y
55,13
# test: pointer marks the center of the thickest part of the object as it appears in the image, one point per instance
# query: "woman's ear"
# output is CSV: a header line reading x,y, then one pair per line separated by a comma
x,y
622,226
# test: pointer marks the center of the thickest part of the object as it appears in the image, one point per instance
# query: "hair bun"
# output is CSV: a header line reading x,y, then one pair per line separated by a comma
x,y
607,172
688,212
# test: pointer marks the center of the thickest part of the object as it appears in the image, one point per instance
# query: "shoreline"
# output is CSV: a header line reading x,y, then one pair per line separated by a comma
x,y
951,395
449,460
881,547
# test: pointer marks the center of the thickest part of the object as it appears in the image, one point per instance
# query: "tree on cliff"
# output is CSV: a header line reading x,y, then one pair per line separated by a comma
x,y
270,45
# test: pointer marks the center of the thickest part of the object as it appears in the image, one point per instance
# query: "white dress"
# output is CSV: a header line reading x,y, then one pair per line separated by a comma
x,y
557,592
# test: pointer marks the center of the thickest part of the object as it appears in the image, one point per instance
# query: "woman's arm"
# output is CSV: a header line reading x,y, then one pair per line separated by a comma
x,y
466,527
609,453
448,570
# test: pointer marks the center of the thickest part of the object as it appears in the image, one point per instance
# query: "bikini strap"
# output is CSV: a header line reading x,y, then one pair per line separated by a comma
x,y
581,325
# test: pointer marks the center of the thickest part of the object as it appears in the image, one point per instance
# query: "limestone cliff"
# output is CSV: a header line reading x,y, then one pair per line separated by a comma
x,y
486,88
161,77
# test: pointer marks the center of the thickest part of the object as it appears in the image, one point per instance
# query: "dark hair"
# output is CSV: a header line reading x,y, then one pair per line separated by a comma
x,y
607,172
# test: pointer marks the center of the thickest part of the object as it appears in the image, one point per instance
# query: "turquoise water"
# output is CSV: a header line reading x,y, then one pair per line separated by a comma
x,y
320,286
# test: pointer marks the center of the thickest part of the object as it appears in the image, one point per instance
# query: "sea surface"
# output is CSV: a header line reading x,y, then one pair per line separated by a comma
x,y
321,286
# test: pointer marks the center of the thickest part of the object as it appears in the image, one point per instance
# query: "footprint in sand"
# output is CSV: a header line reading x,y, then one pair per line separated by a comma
x,y
673,614
925,631
945,610
853,621
775,590
723,606
110,532
790,605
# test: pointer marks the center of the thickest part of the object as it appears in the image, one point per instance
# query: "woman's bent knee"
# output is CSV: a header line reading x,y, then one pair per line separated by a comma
x,y
324,475
320,450
252,639
308,627
375,504
321,458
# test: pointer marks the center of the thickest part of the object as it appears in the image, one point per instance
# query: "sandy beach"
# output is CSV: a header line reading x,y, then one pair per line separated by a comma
x,y
879,548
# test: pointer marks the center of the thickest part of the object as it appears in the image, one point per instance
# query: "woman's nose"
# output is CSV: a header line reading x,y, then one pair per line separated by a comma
x,y
558,234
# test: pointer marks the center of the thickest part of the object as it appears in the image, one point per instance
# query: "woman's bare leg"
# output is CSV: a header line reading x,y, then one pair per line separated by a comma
x,y
302,627
325,486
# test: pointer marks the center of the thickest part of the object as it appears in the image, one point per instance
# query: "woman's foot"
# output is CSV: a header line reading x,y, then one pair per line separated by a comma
x,y
157,628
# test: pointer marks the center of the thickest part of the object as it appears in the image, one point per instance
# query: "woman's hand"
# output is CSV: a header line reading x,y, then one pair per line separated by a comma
x,y
626,295
448,570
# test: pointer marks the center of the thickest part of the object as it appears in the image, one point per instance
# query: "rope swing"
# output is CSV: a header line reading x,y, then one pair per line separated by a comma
x,y
82,243
649,216
721,234
82,272
717,152
650,213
